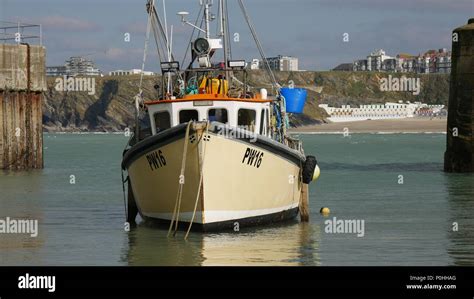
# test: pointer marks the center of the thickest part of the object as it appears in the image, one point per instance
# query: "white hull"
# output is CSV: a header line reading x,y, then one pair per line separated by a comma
x,y
234,186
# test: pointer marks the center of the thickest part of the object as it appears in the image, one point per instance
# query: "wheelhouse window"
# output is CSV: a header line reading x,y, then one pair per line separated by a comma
x,y
162,121
188,115
246,119
219,114
262,121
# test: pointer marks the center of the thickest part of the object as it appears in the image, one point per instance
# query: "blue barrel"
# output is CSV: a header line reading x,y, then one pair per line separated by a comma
x,y
295,99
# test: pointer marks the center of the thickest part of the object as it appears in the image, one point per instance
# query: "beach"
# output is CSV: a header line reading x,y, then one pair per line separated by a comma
x,y
404,125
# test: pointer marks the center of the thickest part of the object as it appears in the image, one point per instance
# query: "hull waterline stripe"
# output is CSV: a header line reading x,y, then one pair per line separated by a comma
x,y
221,216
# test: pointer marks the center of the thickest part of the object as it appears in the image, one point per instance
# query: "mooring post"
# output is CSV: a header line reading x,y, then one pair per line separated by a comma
x,y
459,155
304,203
22,82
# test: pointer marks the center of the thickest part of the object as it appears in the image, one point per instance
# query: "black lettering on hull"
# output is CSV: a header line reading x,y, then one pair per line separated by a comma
x,y
156,160
253,157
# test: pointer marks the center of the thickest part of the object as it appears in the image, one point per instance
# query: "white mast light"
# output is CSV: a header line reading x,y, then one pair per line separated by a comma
x,y
236,63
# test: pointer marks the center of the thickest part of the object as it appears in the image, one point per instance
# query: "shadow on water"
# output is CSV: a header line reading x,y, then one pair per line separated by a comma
x,y
287,244
461,202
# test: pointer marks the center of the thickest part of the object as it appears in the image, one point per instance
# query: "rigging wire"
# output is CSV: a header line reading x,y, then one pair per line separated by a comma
x,y
162,31
257,42
147,38
229,46
192,34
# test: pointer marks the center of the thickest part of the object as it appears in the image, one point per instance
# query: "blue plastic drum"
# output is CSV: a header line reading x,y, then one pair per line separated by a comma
x,y
295,99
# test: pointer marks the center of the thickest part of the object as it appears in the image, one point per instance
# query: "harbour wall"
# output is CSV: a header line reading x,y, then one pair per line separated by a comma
x,y
459,155
22,83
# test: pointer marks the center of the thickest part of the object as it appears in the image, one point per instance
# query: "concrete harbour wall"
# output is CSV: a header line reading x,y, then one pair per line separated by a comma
x,y
22,83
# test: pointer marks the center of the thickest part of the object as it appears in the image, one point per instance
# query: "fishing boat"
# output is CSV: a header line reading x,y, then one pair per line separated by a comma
x,y
217,154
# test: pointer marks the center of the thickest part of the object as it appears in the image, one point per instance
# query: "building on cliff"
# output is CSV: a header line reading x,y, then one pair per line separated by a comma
x,y
278,63
74,66
432,61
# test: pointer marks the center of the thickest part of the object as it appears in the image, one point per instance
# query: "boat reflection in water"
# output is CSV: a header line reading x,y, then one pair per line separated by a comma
x,y
290,244
461,201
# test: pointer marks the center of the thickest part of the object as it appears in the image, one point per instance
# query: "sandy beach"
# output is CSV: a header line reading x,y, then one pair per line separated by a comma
x,y
405,125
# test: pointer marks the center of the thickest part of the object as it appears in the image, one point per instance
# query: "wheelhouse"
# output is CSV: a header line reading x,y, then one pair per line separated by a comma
x,y
249,114
204,95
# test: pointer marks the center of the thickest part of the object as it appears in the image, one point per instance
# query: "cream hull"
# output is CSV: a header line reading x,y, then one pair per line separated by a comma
x,y
243,182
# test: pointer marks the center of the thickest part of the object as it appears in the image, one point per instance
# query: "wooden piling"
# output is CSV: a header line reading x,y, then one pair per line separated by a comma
x,y
304,203
22,82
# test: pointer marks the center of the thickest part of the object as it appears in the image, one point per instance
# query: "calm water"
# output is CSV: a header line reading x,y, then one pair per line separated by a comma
x,y
405,224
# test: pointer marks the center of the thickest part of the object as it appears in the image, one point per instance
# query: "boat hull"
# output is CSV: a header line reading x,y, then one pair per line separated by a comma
x,y
246,179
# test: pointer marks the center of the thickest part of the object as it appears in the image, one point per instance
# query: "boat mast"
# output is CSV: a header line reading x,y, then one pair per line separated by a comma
x,y
168,48
207,16
223,32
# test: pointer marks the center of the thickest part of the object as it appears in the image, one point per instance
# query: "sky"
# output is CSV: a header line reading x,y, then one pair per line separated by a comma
x,y
312,30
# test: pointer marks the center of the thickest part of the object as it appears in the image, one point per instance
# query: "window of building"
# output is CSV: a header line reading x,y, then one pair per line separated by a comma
x,y
219,114
246,119
162,121
187,115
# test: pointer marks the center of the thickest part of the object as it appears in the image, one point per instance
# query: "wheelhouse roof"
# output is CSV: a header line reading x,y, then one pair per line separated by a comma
x,y
207,97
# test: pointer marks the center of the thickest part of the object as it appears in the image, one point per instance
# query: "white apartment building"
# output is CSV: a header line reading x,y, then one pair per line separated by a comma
x,y
81,66
431,61
283,63
375,60
388,110
74,66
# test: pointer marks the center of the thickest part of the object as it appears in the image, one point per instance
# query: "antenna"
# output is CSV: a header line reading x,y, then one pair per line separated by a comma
x,y
183,15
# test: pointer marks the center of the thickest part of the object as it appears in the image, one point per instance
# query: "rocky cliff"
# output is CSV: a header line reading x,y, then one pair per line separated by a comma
x,y
110,108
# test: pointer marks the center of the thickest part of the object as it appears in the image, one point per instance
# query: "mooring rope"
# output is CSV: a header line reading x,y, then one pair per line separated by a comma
x,y
124,181
124,197
200,181
177,204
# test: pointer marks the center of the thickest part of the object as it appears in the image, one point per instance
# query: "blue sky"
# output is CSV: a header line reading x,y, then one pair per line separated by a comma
x,y
311,30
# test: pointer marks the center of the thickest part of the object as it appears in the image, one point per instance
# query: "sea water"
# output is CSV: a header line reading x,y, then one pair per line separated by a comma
x,y
413,213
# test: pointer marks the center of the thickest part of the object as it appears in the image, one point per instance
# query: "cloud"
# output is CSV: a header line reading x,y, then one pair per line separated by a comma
x,y
120,54
137,27
68,24
442,6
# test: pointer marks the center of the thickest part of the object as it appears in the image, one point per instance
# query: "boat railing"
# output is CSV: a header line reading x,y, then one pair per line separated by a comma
x,y
294,143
